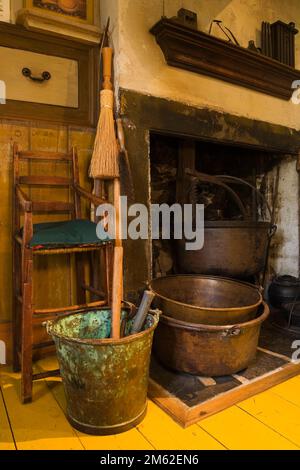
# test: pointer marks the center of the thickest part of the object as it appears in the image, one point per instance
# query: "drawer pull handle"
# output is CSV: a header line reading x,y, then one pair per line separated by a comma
x,y
44,76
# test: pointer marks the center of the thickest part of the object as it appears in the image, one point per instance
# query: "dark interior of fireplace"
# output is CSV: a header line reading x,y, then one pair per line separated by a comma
x,y
171,156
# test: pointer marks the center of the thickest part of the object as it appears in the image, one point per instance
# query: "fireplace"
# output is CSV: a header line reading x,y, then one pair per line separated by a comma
x,y
162,134
232,209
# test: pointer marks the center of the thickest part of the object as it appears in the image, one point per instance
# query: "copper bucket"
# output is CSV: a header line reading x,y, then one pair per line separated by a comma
x,y
105,380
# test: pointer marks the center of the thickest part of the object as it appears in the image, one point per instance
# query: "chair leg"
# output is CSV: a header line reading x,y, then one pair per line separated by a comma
x,y
16,330
27,335
81,294
16,334
94,273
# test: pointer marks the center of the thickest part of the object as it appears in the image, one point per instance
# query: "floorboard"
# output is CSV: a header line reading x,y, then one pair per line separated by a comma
x,y
277,413
6,437
270,420
237,430
165,434
40,424
289,390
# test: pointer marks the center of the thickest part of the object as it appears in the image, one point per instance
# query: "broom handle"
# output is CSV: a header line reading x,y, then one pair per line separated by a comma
x,y
117,194
117,284
117,291
107,53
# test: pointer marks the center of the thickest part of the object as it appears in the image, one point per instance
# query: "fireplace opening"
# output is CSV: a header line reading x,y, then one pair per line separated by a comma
x,y
176,165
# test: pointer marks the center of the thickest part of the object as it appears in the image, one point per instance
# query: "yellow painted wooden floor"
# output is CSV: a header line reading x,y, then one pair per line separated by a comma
x,y
270,420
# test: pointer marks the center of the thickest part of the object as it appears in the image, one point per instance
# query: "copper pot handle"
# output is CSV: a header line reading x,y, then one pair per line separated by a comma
x,y
234,331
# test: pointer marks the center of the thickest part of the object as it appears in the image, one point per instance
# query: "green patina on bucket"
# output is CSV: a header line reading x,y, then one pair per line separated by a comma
x,y
105,380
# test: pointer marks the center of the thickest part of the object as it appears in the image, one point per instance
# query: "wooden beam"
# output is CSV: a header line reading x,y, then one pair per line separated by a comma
x,y
187,158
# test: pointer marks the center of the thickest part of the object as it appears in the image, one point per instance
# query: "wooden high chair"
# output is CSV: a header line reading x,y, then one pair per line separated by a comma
x,y
74,235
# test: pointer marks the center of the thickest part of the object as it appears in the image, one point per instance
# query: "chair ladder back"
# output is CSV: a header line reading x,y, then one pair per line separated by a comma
x,y
26,317
45,181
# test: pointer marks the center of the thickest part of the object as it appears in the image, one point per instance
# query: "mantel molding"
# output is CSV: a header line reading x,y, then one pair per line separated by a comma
x,y
44,22
202,53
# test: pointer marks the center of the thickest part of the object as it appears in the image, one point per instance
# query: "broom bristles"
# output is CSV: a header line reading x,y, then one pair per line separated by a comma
x,y
105,158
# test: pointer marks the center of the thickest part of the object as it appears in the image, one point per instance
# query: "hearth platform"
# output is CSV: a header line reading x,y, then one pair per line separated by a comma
x,y
189,398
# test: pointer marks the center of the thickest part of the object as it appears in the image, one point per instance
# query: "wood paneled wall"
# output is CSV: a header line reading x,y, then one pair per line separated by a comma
x,y
53,277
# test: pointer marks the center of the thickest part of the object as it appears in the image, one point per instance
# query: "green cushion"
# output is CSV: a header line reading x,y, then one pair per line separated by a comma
x,y
69,232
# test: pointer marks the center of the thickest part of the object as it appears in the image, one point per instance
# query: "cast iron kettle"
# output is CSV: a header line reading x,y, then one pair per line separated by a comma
x,y
283,290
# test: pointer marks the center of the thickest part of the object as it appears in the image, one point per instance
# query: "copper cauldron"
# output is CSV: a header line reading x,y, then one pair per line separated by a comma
x,y
207,350
234,248
206,299
231,248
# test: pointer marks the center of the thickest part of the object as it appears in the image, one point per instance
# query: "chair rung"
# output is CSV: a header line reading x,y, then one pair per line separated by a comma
x,y
39,319
45,180
93,290
46,344
61,251
44,155
44,375
44,315
52,206
18,239
72,308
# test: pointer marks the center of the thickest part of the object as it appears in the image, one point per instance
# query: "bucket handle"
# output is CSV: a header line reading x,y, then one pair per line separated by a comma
x,y
48,324
156,313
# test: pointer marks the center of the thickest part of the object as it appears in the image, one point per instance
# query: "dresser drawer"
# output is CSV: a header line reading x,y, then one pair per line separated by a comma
x,y
60,90
69,96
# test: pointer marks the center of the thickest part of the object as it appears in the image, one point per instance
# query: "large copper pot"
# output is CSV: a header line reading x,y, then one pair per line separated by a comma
x,y
234,248
207,350
206,299
231,248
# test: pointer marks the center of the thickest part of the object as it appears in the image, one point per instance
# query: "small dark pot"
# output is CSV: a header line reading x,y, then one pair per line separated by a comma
x,y
283,290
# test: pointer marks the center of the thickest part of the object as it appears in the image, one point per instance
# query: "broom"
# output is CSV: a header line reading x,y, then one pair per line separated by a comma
x,y
105,165
105,158
98,189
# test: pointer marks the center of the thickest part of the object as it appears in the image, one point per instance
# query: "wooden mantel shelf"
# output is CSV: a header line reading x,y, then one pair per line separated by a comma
x,y
202,53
